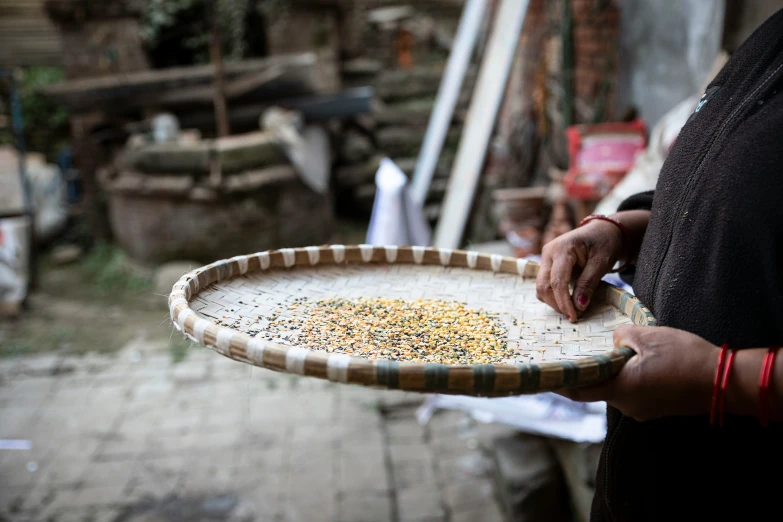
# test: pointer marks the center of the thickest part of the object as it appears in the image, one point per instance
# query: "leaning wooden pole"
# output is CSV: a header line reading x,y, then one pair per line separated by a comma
x,y
216,57
477,131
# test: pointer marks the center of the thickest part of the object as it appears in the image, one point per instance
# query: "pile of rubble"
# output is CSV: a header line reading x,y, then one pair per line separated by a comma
x,y
395,129
398,50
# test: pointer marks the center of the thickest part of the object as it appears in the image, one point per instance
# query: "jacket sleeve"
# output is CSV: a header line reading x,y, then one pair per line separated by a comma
x,y
641,201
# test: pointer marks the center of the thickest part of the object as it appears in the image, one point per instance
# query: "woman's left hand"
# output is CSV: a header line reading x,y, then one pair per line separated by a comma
x,y
671,374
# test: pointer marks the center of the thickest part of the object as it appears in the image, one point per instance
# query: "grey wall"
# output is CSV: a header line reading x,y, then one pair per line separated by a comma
x,y
666,50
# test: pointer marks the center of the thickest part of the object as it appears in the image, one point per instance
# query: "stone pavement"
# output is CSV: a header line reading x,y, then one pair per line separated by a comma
x,y
136,437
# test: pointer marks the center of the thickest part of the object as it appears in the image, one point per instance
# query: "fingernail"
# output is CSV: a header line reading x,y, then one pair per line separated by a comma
x,y
581,300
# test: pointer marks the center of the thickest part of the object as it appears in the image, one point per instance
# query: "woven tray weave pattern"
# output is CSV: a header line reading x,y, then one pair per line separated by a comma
x,y
551,353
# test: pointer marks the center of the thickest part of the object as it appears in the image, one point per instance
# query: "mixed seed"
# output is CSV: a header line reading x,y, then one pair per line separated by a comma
x,y
423,330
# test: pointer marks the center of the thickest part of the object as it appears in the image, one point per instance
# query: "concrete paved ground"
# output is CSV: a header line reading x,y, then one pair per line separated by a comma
x,y
135,437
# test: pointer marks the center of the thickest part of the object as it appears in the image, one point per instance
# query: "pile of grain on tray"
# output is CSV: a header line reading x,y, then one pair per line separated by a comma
x,y
423,330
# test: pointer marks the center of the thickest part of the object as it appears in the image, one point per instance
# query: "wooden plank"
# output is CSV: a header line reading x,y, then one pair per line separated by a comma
x,y
219,81
236,88
343,105
230,154
139,87
480,122
448,94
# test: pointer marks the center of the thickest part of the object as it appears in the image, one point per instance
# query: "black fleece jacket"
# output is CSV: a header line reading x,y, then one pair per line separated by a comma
x,y
711,263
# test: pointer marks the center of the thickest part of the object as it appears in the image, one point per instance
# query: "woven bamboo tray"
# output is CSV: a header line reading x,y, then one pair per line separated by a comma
x,y
551,352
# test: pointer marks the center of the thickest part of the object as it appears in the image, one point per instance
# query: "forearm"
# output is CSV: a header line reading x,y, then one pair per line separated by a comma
x,y
636,222
742,392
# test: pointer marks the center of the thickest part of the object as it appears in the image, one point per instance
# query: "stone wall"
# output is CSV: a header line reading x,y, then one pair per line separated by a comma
x,y
203,225
204,200
98,37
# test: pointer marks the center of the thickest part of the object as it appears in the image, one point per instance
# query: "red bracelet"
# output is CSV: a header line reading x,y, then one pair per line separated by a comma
x,y
716,384
724,385
766,378
622,228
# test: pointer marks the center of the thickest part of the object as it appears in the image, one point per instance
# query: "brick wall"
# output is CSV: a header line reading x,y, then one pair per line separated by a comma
x,y
530,140
595,44
532,110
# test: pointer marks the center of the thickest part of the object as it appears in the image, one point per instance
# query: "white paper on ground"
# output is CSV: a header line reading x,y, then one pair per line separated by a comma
x,y
396,219
11,444
544,414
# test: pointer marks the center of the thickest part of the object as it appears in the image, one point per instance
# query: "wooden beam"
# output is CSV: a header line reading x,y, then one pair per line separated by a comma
x,y
448,94
216,56
235,88
480,123
297,73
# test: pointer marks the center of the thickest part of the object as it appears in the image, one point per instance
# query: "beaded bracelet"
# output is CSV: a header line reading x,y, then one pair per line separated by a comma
x,y
623,229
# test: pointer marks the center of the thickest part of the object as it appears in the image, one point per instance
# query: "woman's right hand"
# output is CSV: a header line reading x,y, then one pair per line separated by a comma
x,y
585,254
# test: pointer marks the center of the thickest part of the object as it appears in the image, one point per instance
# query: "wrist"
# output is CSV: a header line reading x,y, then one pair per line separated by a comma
x,y
613,235
635,221
619,240
742,394
706,379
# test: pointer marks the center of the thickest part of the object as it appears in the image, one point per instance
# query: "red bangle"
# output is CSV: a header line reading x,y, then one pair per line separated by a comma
x,y
716,384
724,385
623,229
766,378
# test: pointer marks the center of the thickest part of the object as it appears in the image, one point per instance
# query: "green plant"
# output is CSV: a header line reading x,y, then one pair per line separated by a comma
x,y
108,268
26,341
178,348
15,347
45,121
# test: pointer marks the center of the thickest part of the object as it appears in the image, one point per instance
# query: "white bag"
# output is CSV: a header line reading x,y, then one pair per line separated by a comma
x,y
396,219
13,261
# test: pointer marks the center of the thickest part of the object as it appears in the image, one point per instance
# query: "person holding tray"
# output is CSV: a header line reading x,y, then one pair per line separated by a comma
x,y
694,423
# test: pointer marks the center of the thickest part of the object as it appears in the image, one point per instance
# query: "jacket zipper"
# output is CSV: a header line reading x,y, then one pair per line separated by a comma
x,y
707,96
698,170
